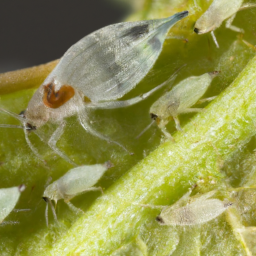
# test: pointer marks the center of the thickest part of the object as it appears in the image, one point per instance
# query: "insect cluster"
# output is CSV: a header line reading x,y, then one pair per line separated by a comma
x,y
120,57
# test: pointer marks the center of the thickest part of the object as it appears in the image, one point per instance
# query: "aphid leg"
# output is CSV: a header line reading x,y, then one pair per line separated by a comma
x,y
162,126
94,189
177,123
192,110
53,211
249,44
74,209
207,195
230,26
247,6
160,207
33,149
206,100
215,39
88,128
46,214
167,134
183,200
126,103
53,140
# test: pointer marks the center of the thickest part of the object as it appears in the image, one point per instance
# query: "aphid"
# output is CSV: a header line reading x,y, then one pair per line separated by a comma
x,y
76,181
179,101
197,211
95,72
8,200
219,11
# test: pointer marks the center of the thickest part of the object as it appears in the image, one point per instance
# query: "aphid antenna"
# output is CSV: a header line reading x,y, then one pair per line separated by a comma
x,y
16,116
145,129
9,223
215,39
48,201
11,126
21,210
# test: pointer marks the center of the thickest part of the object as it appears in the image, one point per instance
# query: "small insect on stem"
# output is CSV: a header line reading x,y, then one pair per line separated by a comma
x,y
179,100
219,11
94,73
8,200
198,210
75,182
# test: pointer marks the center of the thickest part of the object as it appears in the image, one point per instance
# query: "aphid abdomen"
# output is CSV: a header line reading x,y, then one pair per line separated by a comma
x,y
192,89
80,178
108,63
8,199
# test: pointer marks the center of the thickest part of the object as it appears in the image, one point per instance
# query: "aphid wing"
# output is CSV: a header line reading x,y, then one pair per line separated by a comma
x,y
8,199
80,178
111,61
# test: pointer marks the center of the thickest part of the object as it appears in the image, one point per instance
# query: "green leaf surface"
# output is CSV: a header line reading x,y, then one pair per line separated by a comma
x,y
215,150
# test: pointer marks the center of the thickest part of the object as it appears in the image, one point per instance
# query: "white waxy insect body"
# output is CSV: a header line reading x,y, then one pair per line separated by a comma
x,y
95,72
197,212
76,181
219,11
8,200
191,210
180,99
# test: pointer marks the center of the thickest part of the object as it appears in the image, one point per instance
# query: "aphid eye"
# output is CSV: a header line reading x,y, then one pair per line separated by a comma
x,y
196,30
30,127
22,113
153,116
45,199
159,219
53,99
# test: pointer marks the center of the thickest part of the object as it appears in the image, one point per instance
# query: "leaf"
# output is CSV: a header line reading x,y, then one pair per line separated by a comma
x,y
214,151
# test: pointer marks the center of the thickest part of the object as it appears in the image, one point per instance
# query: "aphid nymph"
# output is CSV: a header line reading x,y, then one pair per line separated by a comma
x,y
95,72
76,181
191,211
179,101
8,200
219,11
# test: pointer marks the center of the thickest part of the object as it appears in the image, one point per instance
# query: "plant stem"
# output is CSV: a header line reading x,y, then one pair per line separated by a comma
x,y
25,78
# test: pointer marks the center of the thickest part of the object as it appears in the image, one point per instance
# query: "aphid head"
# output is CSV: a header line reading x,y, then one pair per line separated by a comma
x,y
52,192
153,116
160,220
205,24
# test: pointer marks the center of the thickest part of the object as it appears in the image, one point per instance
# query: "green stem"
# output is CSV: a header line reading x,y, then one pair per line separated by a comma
x,y
25,78
167,172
